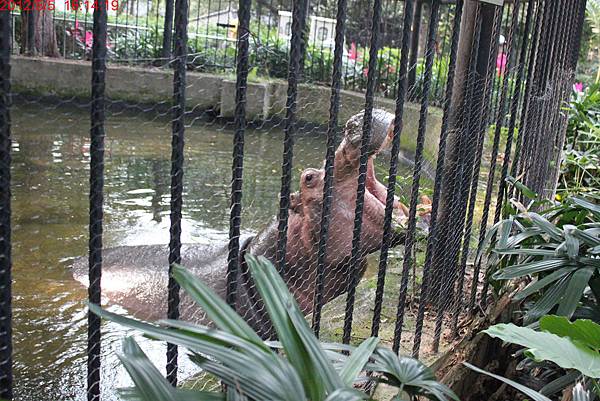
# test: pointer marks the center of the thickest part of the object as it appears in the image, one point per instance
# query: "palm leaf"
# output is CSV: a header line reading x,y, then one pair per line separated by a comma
x,y
357,360
216,309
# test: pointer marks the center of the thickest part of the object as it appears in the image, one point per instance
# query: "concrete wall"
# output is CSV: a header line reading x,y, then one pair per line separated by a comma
x,y
208,91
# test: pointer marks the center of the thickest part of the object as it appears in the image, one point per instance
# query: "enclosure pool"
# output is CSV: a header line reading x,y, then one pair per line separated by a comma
x,y
50,218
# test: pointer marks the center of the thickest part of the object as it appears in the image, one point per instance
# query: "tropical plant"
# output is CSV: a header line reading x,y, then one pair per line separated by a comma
x,y
580,167
556,251
593,17
572,346
302,369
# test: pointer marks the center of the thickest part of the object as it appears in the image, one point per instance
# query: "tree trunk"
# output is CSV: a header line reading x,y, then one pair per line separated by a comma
x,y
45,43
484,352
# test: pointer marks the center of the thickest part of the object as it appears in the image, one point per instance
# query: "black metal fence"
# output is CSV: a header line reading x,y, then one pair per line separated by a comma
x,y
499,73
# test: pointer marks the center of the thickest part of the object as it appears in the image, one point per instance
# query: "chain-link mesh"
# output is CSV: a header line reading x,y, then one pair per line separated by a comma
x,y
325,87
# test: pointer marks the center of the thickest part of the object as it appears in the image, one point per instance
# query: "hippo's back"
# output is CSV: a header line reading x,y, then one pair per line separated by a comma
x,y
136,277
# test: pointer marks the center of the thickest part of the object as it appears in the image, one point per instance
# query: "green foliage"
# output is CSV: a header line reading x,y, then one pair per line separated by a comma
x,y
304,369
580,169
534,395
593,17
554,344
556,250
573,346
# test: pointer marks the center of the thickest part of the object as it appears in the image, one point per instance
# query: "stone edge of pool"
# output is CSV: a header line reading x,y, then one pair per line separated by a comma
x,y
265,100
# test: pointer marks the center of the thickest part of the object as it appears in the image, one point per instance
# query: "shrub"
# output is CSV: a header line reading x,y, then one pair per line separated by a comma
x,y
572,347
581,158
556,250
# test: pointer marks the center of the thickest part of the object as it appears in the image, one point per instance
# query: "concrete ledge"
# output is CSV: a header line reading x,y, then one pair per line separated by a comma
x,y
72,78
258,97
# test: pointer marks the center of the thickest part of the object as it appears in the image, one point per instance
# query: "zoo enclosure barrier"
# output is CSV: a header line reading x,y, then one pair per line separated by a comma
x,y
517,129
140,33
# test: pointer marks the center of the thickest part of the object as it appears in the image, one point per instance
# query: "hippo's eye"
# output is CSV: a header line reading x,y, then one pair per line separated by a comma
x,y
309,178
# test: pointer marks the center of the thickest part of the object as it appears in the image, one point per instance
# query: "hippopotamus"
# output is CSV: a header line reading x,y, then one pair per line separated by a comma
x,y
135,277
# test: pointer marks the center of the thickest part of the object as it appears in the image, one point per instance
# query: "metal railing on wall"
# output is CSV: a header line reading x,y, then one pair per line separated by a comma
x,y
137,36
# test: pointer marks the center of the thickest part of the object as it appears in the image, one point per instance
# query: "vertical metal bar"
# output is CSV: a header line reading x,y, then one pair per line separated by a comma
x,y
6,373
298,17
96,197
439,172
362,170
402,85
238,150
167,31
332,133
409,243
177,148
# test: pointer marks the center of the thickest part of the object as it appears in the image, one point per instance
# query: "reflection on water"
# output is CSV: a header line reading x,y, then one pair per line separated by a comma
x,y
50,206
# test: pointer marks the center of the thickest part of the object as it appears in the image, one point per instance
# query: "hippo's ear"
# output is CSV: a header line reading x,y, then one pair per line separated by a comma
x,y
295,202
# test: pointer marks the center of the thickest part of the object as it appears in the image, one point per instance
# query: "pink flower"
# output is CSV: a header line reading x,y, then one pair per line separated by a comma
x,y
501,64
578,87
89,39
353,53
366,71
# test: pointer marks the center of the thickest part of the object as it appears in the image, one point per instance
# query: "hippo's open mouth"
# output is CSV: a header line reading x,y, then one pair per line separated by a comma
x,y
374,186
382,128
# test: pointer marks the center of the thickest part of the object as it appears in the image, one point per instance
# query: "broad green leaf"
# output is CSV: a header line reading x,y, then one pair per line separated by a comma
x,y
543,224
586,205
308,357
543,283
216,309
357,360
545,304
519,238
527,252
577,284
149,382
522,188
270,376
544,346
527,269
133,394
534,395
585,331
234,395
586,237
409,374
347,394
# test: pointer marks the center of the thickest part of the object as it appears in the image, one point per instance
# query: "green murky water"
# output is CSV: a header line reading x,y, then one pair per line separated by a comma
x,y
50,206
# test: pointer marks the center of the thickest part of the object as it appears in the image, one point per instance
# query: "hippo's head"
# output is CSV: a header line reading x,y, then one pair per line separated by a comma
x,y
304,222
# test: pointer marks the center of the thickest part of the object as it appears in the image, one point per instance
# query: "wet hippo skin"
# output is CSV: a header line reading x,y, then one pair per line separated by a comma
x,y
135,277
